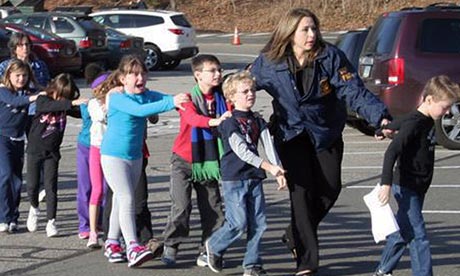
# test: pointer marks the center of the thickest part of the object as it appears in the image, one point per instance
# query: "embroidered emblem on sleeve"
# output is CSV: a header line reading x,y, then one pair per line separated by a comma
x,y
345,75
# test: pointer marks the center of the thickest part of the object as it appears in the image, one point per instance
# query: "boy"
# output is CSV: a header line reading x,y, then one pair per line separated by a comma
x,y
242,172
413,149
194,161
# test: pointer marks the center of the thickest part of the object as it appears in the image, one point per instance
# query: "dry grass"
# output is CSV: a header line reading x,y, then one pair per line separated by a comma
x,y
262,15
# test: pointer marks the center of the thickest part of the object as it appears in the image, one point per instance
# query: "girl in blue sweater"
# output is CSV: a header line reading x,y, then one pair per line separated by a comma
x,y
121,154
14,102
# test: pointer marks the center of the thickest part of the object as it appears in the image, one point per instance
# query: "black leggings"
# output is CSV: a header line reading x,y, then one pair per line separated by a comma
x,y
314,181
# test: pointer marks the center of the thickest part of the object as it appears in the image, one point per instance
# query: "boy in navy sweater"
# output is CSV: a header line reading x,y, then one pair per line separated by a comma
x,y
242,172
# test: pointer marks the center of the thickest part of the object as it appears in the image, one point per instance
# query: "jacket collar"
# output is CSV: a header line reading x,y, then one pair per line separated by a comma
x,y
283,65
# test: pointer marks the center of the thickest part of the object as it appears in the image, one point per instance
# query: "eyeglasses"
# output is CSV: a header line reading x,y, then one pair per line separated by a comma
x,y
23,44
214,70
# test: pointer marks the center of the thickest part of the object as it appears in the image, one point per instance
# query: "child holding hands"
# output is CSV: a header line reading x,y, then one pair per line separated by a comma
x,y
43,148
242,173
412,150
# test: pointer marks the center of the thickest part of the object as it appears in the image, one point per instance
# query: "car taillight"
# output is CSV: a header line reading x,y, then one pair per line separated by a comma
x,y
85,43
176,31
125,44
52,48
396,71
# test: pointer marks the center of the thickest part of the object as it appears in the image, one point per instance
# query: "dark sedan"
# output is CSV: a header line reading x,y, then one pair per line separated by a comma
x,y
61,55
121,44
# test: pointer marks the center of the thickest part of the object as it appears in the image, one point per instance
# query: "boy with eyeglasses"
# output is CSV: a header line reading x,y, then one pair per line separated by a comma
x,y
242,171
195,160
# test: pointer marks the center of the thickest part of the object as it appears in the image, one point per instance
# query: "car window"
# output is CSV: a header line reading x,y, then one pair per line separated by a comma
x,y
63,26
440,36
180,20
382,36
36,22
146,20
17,20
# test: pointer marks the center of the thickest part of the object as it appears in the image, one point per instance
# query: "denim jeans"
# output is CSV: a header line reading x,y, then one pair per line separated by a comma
x,y
11,163
412,232
244,211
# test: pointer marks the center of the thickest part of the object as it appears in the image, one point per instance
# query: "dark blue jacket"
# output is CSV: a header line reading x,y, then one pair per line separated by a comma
x,y
321,111
13,113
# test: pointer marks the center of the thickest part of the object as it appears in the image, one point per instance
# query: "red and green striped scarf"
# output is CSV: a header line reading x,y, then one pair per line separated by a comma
x,y
207,148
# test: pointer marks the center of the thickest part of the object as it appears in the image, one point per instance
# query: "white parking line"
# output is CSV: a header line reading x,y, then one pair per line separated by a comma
x,y
431,186
380,167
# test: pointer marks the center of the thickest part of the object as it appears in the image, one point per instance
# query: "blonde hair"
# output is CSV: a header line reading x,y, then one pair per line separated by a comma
x,y
230,84
16,65
442,88
280,41
112,81
131,64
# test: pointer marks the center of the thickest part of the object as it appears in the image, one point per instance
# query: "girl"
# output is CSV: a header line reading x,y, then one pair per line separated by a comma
x,y
121,153
98,113
45,138
14,103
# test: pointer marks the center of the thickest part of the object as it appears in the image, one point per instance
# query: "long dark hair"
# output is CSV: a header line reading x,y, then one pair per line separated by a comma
x,y
279,44
63,86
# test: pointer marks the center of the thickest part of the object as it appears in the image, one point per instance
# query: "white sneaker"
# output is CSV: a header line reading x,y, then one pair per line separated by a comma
x,y
41,195
13,227
51,230
32,219
3,227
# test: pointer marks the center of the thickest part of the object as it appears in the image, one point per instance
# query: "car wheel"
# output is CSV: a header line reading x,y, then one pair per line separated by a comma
x,y
362,126
169,65
448,129
152,57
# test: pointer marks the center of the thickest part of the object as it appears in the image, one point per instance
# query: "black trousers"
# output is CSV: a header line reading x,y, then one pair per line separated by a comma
x,y
314,181
143,216
49,162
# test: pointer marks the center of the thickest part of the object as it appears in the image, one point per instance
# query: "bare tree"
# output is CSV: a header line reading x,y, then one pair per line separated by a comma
x,y
172,4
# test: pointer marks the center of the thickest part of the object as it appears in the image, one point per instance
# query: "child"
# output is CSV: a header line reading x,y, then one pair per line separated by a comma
x,y
413,150
45,138
242,172
98,113
94,75
14,103
121,153
194,161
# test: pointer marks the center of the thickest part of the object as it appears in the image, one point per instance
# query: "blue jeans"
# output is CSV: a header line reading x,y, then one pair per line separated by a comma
x,y
244,211
11,164
412,232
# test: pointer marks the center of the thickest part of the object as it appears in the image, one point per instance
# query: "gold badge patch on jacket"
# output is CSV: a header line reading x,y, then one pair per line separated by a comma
x,y
325,86
345,75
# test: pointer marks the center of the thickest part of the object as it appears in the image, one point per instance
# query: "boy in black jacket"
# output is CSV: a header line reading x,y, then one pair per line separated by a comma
x,y
413,149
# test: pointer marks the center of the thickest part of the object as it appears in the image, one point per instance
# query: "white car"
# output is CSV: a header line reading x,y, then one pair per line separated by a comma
x,y
168,36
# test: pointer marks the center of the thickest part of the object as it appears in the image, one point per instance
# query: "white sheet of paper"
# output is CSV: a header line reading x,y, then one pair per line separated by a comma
x,y
382,217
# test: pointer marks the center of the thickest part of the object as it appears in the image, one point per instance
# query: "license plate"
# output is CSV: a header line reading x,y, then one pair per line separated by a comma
x,y
366,71
99,43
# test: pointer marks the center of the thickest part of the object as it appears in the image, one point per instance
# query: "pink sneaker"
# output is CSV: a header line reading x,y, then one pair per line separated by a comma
x,y
83,235
93,241
137,255
114,252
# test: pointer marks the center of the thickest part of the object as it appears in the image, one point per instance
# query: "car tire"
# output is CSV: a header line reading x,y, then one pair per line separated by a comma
x,y
172,64
448,129
362,126
153,59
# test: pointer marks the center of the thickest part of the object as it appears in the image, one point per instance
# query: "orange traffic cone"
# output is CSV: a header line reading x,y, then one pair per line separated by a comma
x,y
236,37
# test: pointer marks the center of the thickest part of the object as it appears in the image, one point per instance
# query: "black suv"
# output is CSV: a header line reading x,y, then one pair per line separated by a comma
x,y
89,36
406,48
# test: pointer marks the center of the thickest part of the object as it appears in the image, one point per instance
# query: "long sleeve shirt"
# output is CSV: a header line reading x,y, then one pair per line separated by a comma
x,y
126,115
412,150
99,121
13,113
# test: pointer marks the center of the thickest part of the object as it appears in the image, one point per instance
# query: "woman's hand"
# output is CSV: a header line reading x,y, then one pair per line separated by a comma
x,y
80,101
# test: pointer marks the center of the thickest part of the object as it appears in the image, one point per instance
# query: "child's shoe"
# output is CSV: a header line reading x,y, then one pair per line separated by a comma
x,y
138,254
169,255
254,271
13,228
32,219
114,252
3,227
156,247
83,235
51,229
202,259
380,273
93,241
214,261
